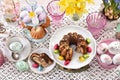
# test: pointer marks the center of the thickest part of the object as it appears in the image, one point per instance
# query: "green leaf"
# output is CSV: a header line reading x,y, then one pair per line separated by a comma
x,y
118,28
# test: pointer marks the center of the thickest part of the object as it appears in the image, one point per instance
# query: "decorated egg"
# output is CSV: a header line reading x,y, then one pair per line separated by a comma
x,y
35,65
89,49
22,65
102,48
40,68
39,10
27,19
42,16
23,14
116,59
56,51
106,59
1,58
15,46
66,62
56,46
114,47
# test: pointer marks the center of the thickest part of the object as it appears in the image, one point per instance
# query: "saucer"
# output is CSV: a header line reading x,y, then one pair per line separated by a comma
x,y
23,54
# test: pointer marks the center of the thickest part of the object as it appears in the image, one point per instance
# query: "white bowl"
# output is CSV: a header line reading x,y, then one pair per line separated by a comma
x,y
75,63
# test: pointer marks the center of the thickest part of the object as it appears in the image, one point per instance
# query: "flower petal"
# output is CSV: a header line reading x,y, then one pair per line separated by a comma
x,y
35,20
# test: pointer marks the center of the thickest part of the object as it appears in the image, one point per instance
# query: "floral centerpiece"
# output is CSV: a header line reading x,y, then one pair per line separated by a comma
x,y
73,7
35,19
112,9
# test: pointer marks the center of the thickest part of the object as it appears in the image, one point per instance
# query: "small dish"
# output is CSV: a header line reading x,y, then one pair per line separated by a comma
x,y
23,54
45,70
107,41
26,33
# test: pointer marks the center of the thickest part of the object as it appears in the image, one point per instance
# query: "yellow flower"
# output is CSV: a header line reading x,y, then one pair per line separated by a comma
x,y
32,14
63,5
74,6
90,1
70,11
81,10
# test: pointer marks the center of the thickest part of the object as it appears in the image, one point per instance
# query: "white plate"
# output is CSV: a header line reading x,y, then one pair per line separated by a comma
x,y
75,63
26,32
45,70
23,54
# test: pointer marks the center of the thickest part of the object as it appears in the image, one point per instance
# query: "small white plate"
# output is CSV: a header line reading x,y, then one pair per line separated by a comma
x,y
26,32
45,70
23,54
75,63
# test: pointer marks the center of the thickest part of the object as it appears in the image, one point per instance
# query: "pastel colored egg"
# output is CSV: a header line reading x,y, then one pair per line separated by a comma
x,y
116,59
40,68
35,65
42,16
1,58
39,10
114,47
26,20
82,59
23,14
56,46
66,62
86,56
106,59
22,66
15,46
88,40
61,58
56,51
89,49
102,48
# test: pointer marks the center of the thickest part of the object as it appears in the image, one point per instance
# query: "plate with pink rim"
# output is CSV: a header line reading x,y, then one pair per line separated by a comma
x,y
107,41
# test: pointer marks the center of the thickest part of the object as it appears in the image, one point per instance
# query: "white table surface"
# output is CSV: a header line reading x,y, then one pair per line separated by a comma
x,y
9,72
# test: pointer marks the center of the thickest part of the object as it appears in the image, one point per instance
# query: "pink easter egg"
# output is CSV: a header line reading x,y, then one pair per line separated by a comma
x,y
89,49
1,58
66,62
56,46
35,65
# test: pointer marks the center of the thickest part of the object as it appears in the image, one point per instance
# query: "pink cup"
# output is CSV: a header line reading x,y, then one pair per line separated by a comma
x,y
96,22
54,10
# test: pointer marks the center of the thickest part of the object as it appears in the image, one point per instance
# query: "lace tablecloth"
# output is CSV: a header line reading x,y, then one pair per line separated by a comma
x,y
9,72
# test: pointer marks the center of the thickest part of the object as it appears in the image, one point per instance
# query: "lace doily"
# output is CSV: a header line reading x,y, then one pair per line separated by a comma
x,y
9,72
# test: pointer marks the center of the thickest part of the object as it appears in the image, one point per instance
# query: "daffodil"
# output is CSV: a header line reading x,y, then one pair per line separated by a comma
x,y
63,5
90,1
70,11
72,7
